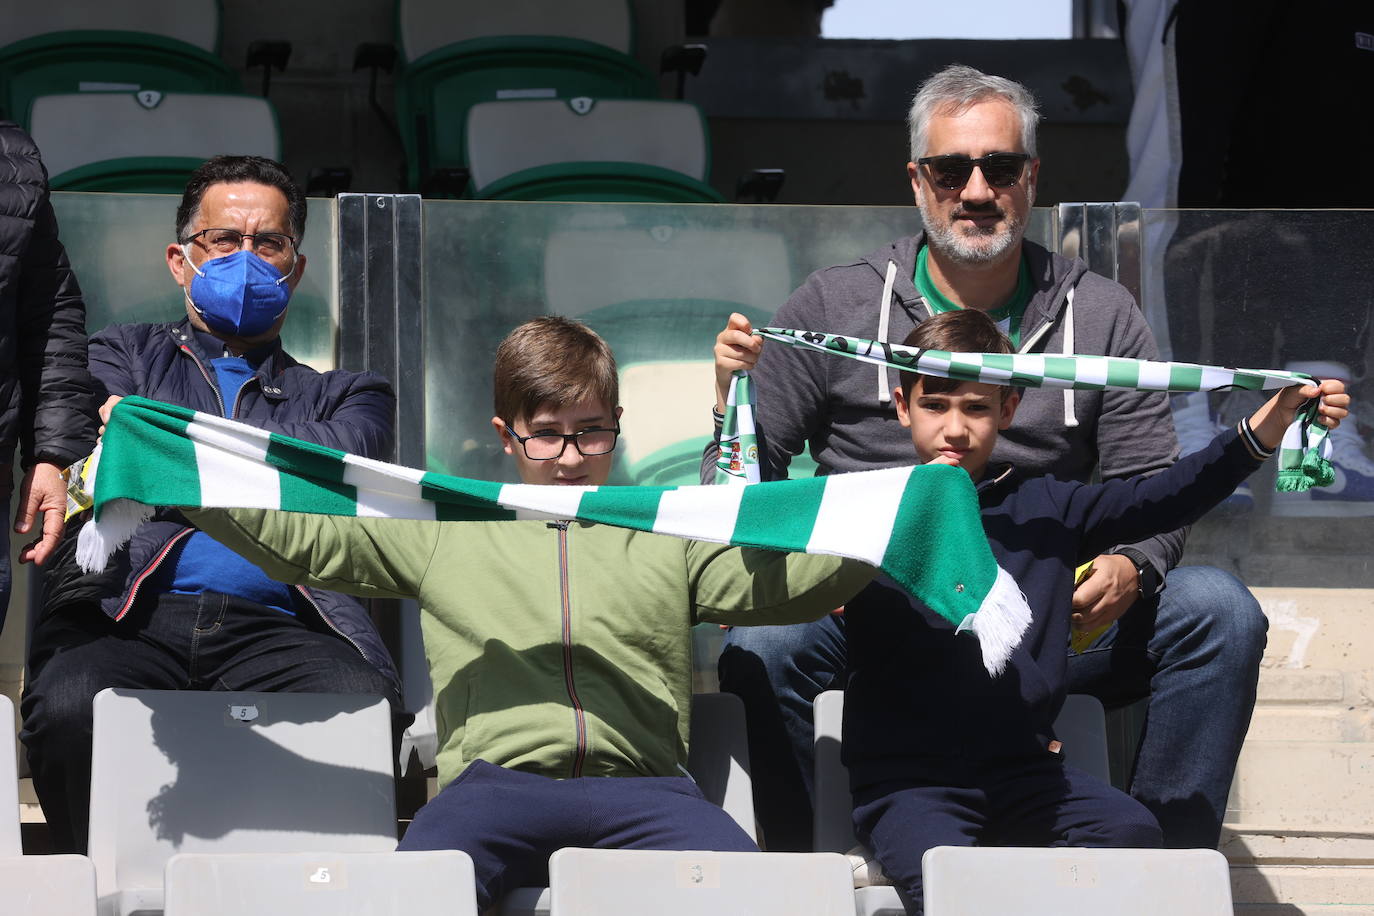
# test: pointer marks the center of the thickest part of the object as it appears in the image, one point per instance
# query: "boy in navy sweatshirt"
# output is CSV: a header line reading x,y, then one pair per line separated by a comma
x,y
939,752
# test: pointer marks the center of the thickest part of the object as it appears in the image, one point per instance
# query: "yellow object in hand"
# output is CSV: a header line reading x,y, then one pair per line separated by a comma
x,y
1079,640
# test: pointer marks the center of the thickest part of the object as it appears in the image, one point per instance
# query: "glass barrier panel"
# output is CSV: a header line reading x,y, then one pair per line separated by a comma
x,y
117,244
1272,289
657,281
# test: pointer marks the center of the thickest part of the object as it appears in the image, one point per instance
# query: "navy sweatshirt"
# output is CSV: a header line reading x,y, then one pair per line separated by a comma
x,y
919,703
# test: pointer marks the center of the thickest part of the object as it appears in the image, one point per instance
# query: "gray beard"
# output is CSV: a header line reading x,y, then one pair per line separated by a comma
x,y
944,239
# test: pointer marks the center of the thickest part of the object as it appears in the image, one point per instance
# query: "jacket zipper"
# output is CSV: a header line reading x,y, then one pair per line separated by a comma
x,y
219,398
148,571
1044,328
565,602
305,593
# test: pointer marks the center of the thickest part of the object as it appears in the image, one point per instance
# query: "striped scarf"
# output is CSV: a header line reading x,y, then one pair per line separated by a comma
x,y
1304,455
155,454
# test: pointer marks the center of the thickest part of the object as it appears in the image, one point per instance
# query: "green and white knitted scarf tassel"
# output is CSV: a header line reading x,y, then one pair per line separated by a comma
x,y
1304,459
920,525
1305,454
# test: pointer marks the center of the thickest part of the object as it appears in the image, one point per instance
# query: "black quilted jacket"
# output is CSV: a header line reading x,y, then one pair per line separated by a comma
x,y
46,405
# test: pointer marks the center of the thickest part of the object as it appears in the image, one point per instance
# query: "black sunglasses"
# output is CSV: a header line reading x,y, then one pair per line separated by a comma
x,y
1000,170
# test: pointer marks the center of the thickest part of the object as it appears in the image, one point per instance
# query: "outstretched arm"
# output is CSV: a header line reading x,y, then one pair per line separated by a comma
x,y
368,557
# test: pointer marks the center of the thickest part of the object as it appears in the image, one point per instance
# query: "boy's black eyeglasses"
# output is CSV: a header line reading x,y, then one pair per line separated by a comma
x,y
548,446
1000,170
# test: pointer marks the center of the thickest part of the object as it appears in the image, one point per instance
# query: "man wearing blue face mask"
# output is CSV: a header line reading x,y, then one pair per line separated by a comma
x,y
175,609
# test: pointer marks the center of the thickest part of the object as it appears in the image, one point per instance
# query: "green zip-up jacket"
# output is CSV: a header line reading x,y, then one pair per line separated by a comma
x,y
562,649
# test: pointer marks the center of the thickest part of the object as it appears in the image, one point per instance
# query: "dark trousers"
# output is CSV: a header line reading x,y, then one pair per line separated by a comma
x,y
1033,802
1195,652
167,642
510,822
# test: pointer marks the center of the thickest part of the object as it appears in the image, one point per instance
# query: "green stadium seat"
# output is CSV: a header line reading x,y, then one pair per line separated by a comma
x,y
146,142
590,150
122,45
457,54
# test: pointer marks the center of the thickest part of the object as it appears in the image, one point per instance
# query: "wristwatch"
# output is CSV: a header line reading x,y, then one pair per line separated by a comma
x,y
1147,577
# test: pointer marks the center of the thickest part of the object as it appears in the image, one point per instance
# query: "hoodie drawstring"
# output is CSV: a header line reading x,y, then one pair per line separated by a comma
x,y
1070,417
884,310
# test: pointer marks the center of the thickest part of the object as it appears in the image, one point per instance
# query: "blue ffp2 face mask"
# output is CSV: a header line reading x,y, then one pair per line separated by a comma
x,y
239,294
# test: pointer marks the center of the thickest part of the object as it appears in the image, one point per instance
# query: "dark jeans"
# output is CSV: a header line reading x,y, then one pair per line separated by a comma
x,y
168,642
510,822
1033,802
1195,652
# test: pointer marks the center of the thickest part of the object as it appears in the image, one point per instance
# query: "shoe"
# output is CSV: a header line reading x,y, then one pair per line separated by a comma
x,y
1197,426
1352,494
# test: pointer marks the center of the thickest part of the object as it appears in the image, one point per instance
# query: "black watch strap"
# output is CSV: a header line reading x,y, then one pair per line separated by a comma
x,y
1146,574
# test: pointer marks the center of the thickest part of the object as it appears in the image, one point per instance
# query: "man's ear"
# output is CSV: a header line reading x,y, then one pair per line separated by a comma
x,y
899,401
507,443
176,263
1011,399
297,269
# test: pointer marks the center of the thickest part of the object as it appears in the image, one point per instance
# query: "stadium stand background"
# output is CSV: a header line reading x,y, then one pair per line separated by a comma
x,y
830,114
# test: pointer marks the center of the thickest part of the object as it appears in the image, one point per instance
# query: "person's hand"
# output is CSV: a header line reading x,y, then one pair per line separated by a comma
x,y
105,409
736,348
1269,422
43,490
1107,593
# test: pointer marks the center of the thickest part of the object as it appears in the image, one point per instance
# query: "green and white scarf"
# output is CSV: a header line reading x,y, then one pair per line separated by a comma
x,y
1304,455
920,525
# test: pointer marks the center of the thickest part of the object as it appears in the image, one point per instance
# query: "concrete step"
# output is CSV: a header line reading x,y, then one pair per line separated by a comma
x,y
1307,785
1319,628
1303,888
1249,844
1328,723
1311,686
1307,909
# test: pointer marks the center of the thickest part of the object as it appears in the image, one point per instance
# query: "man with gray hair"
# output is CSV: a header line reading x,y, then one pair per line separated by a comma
x,y
1193,649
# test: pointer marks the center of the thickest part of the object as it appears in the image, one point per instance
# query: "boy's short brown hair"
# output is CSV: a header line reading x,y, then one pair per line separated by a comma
x,y
552,361
959,331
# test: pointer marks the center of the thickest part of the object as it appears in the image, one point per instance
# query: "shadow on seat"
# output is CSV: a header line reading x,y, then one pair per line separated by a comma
x,y
193,771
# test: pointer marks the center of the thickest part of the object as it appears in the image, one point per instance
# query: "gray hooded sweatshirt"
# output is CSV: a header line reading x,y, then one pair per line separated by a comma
x,y
843,407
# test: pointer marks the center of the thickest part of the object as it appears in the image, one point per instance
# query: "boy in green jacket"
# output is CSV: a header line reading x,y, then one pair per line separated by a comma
x,y
558,650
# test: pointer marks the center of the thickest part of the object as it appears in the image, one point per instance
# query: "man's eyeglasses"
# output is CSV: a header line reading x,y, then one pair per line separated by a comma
x,y
1000,170
589,442
266,245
